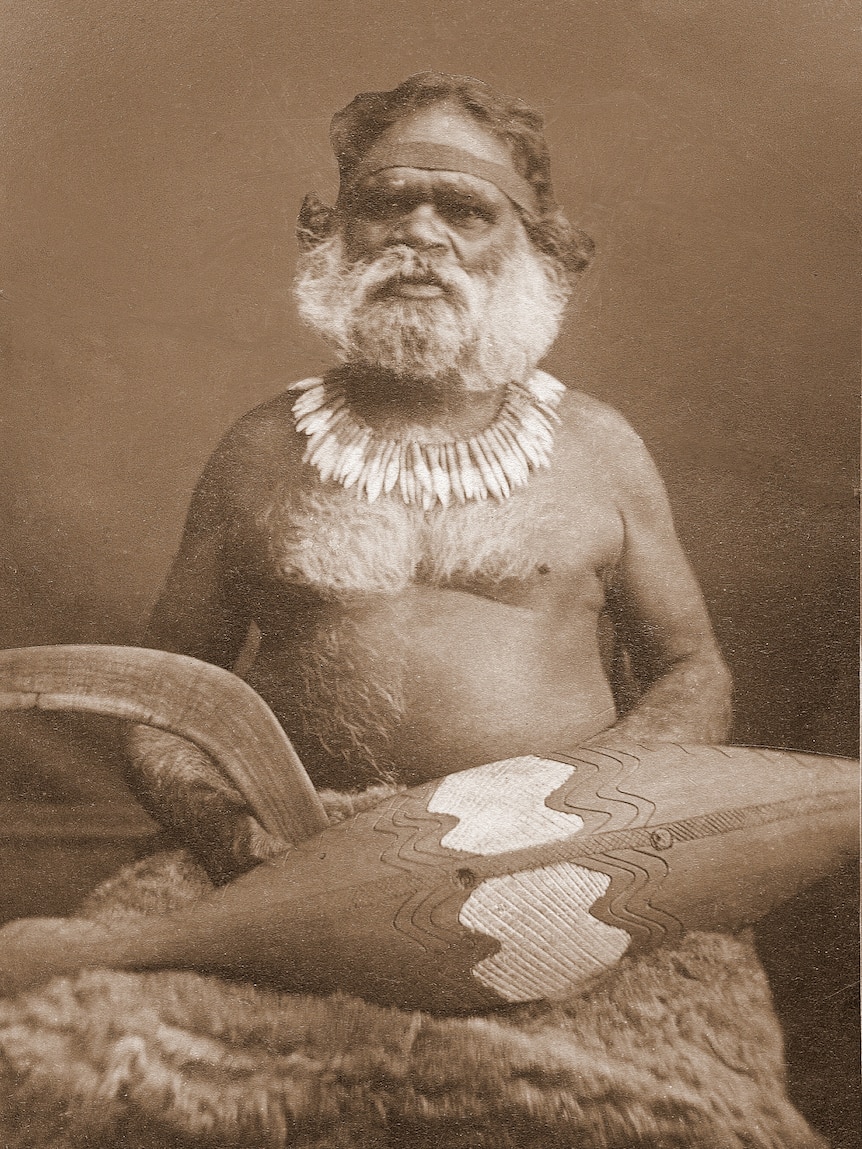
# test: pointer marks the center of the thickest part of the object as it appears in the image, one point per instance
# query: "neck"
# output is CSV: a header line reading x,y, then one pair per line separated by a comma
x,y
438,410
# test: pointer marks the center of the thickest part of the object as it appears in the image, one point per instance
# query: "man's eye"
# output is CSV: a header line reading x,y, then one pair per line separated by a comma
x,y
378,205
462,212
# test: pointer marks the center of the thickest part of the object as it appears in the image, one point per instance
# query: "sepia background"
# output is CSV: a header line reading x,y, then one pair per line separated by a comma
x,y
154,158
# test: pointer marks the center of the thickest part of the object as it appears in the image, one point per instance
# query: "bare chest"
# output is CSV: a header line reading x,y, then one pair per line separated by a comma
x,y
557,537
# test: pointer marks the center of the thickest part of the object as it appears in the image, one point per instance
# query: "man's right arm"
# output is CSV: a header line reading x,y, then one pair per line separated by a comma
x,y
200,612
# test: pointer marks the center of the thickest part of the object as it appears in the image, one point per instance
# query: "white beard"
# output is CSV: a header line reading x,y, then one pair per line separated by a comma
x,y
487,330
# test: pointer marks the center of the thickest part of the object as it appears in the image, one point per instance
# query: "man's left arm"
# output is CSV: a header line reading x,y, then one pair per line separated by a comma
x,y
662,618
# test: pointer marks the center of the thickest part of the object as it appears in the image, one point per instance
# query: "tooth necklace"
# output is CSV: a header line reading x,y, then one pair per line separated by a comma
x,y
343,448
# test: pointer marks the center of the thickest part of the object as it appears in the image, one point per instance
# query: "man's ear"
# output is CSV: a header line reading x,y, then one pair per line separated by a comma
x,y
316,222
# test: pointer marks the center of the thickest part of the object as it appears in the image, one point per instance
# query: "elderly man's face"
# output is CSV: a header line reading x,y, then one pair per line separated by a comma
x,y
443,214
450,216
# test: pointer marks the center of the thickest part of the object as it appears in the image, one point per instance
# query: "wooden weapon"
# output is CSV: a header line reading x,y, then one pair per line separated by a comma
x,y
509,882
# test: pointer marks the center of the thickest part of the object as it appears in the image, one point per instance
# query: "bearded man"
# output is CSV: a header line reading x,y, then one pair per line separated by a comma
x,y
441,554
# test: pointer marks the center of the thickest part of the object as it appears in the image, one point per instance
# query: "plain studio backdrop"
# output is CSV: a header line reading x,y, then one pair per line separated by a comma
x,y
155,156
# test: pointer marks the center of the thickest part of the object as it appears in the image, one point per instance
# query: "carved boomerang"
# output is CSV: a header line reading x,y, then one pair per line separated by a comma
x,y
514,881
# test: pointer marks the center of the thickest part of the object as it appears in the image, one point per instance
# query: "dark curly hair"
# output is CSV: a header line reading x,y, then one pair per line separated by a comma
x,y
521,128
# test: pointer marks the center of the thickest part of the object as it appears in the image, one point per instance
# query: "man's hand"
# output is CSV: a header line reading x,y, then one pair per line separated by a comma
x,y
181,788
690,702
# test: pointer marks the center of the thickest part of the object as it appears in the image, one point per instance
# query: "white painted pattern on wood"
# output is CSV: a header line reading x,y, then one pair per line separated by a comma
x,y
550,943
501,806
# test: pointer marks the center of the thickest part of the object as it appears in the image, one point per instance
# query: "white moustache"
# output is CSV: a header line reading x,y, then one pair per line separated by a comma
x,y
399,264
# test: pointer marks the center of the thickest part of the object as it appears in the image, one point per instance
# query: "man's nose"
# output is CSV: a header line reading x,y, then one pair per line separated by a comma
x,y
421,227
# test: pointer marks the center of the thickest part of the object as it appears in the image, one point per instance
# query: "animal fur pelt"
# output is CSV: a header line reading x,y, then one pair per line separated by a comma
x,y
676,1048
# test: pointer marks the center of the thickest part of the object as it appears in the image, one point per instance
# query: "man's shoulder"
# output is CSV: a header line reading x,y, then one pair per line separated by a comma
x,y
585,417
272,417
261,444
269,425
597,436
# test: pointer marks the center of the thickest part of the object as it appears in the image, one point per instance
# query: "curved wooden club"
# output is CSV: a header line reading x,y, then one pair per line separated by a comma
x,y
209,706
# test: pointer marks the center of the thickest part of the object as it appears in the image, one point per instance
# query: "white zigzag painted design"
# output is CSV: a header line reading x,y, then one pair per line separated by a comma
x,y
550,944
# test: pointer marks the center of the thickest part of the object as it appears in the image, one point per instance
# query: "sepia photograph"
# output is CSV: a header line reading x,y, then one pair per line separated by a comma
x,y
429,618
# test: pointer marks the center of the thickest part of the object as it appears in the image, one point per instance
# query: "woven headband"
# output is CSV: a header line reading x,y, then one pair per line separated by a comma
x,y
433,157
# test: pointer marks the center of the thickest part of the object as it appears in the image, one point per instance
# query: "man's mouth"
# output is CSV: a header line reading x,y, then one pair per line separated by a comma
x,y
410,285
